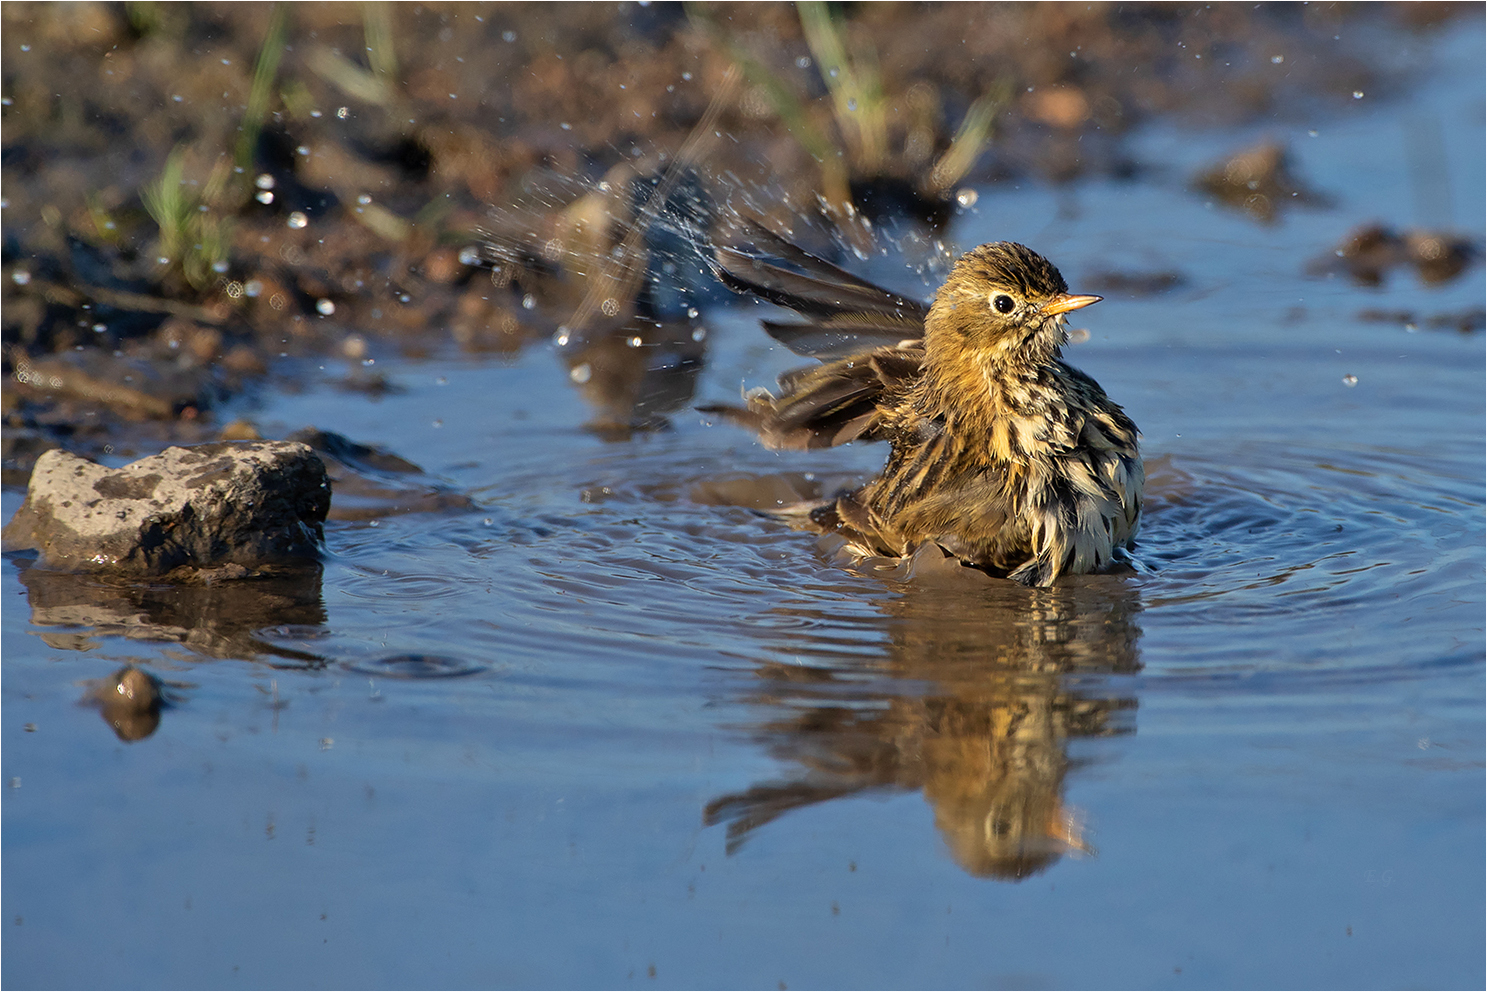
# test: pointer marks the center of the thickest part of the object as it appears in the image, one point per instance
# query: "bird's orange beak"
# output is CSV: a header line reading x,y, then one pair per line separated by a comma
x,y
1064,302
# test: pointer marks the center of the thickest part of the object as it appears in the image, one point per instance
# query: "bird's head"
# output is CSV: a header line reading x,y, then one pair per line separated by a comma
x,y
1003,304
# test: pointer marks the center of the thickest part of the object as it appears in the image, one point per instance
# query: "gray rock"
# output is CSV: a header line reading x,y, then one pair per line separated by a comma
x,y
205,512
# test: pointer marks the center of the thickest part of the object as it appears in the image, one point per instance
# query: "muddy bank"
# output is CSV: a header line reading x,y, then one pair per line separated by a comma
x,y
194,192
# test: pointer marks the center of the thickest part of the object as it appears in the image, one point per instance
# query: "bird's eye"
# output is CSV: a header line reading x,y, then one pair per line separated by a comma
x,y
1003,303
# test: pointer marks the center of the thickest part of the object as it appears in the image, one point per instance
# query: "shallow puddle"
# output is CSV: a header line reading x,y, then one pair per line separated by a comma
x,y
591,725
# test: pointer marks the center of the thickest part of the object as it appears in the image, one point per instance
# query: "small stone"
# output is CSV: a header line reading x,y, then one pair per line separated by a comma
x,y
130,700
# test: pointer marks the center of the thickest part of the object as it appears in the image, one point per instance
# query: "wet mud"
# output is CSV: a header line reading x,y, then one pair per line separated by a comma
x,y
195,194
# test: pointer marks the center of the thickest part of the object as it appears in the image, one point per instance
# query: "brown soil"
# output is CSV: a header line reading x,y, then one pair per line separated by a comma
x,y
171,228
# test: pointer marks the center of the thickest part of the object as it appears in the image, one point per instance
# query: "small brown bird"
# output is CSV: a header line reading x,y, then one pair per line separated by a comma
x,y
1002,454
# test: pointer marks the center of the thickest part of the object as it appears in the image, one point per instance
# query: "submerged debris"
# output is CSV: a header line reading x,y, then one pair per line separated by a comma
x,y
1112,282
1467,321
371,483
1369,252
1258,181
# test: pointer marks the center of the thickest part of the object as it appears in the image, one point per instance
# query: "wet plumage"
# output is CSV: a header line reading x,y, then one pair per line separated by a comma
x,y
1001,453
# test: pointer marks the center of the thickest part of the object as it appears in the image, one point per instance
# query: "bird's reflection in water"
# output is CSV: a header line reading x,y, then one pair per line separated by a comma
x,y
981,687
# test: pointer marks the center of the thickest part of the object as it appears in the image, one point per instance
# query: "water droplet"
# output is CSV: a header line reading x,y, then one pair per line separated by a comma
x,y
324,307
343,112
1277,59
438,422
1350,380
99,328
469,255
698,333
263,181
508,36
20,277
581,373
298,220
560,337
264,196
692,312
252,288
852,104
804,62
1357,94
363,199
967,197
634,342
566,126
528,302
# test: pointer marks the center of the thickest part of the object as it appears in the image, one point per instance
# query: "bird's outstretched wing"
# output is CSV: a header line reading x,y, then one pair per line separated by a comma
x,y
843,312
870,339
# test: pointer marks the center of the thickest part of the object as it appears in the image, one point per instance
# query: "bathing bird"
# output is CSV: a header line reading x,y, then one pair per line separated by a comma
x,y
1001,453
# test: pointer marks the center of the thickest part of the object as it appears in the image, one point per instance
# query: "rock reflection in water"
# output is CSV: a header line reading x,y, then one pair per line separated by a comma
x,y
973,704
217,620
